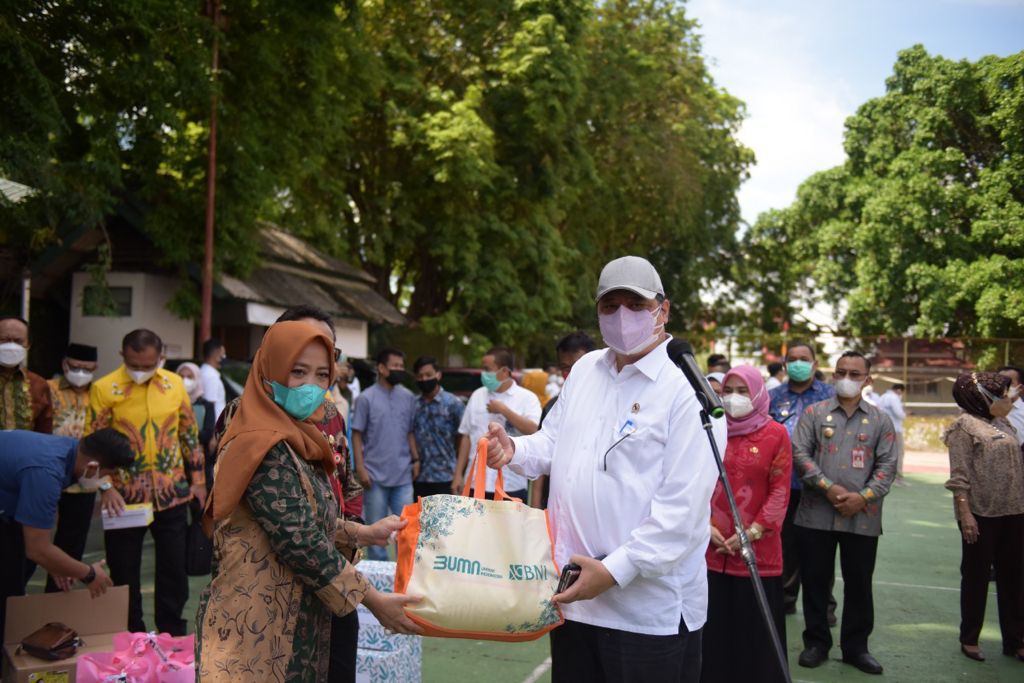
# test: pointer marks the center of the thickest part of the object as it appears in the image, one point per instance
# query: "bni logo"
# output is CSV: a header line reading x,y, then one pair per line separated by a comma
x,y
527,572
460,565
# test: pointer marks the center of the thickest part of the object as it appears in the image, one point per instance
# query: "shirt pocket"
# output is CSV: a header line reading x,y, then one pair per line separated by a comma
x,y
632,464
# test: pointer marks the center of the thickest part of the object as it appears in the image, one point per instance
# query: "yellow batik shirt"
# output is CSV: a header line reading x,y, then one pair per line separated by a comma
x,y
158,421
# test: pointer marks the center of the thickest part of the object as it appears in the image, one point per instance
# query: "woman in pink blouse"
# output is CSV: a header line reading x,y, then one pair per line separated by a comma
x,y
758,461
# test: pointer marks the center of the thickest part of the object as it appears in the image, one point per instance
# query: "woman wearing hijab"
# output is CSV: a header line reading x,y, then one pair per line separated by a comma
x,y
758,461
986,476
278,573
206,416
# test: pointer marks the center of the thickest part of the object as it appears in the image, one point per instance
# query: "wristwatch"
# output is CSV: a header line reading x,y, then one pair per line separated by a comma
x,y
754,534
105,486
90,577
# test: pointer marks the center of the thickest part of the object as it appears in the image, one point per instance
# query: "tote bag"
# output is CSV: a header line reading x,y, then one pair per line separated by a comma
x,y
485,567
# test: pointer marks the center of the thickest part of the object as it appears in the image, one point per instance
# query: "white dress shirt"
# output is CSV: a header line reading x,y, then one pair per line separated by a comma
x,y
641,500
1016,418
213,388
475,419
891,404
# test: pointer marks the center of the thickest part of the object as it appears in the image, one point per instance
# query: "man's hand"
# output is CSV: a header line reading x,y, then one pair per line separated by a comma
x,y
457,484
594,579
380,532
363,477
969,528
111,502
199,493
102,581
849,504
389,608
834,492
499,446
497,407
416,469
64,583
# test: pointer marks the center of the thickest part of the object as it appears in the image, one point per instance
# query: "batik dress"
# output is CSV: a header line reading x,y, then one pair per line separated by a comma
x,y
277,577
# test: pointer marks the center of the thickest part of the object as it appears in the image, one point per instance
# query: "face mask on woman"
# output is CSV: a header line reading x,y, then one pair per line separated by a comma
x,y
738,405
299,402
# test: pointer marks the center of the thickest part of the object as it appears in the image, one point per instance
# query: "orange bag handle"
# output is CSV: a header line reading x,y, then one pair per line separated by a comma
x,y
478,476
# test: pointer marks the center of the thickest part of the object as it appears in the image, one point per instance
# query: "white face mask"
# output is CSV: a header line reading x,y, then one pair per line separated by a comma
x,y
90,483
141,376
77,377
190,385
848,388
12,354
737,405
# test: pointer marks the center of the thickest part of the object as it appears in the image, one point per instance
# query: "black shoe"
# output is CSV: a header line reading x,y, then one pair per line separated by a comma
x,y
812,657
865,662
791,608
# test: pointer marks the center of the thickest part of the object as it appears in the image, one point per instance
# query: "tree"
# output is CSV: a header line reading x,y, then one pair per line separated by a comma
x,y
921,230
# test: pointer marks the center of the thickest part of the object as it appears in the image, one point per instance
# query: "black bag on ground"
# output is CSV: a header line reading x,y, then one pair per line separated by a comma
x,y
199,546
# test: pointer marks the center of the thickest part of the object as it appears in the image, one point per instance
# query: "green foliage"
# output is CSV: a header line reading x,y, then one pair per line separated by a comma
x,y
921,231
481,159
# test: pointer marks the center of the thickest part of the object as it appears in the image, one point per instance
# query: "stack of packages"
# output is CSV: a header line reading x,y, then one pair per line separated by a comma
x,y
383,656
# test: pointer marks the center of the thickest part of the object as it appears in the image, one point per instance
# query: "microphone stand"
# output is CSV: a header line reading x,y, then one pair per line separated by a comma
x,y
745,548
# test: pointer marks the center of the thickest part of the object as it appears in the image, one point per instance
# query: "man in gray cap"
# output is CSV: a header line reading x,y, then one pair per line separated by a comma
x,y
632,475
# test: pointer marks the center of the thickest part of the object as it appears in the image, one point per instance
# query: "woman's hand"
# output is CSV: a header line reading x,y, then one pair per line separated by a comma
x,y
389,608
969,528
380,532
717,539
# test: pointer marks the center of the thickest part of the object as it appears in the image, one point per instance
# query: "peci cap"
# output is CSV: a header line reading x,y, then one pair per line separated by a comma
x,y
81,352
632,273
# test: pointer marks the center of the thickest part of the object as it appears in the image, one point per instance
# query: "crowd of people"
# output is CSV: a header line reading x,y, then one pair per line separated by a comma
x,y
307,471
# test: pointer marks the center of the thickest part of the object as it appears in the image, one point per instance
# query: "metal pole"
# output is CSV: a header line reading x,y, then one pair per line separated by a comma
x,y
206,322
26,294
906,363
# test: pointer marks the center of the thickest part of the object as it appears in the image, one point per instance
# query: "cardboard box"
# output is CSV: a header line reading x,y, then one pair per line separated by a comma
x,y
135,515
96,621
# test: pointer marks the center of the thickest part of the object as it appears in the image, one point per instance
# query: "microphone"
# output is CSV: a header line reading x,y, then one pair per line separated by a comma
x,y
681,353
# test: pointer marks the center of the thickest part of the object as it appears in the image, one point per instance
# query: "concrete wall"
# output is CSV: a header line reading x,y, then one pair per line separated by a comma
x,y
150,295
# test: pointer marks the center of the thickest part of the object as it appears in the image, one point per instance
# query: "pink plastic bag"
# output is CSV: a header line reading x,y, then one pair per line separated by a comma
x,y
141,658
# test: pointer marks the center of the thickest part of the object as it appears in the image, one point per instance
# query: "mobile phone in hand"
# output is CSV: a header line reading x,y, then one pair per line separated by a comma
x,y
570,572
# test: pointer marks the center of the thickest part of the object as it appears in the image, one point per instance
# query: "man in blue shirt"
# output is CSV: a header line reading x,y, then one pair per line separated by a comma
x,y
436,428
383,446
788,403
34,469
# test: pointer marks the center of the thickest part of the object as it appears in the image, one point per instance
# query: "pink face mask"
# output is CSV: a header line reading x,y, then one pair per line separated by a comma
x,y
627,331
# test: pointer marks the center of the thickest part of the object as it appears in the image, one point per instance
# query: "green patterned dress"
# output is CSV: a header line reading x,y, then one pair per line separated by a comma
x,y
277,576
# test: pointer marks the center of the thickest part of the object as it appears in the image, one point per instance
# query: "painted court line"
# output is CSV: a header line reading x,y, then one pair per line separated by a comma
x,y
911,585
541,669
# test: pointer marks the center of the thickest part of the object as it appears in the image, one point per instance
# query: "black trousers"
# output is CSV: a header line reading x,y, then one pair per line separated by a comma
x,y
74,516
581,652
790,551
344,641
734,617
430,488
1000,544
13,567
124,557
817,568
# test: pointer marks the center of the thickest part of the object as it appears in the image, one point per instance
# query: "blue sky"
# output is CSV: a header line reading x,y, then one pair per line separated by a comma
x,y
803,66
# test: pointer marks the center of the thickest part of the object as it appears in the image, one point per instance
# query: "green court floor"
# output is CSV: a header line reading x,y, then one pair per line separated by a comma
x,y
916,611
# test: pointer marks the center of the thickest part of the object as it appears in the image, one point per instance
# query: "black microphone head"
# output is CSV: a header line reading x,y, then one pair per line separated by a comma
x,y
676,348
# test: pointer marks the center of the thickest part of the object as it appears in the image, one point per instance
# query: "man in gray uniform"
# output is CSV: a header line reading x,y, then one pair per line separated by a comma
x,y
843,449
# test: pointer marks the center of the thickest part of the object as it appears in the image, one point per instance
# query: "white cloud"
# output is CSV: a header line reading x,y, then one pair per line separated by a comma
x,y
795,108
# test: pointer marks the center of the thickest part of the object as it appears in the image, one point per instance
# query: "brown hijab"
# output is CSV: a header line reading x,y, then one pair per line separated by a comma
x,y
260,424
969,392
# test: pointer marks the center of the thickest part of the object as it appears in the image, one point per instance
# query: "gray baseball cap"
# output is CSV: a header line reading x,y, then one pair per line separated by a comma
x,y
631,273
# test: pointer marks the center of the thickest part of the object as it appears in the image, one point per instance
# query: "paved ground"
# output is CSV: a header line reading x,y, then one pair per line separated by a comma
x,y
916,606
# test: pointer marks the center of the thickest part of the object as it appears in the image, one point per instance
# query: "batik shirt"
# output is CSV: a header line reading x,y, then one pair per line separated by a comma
x,y
787,406
157,419
70,408
436,428
857,452
25,402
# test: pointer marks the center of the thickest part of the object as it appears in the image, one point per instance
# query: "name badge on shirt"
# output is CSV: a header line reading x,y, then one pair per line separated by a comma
x,y
857,458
